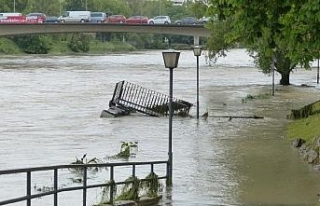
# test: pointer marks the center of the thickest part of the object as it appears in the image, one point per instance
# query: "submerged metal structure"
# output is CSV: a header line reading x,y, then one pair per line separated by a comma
x,y
128,97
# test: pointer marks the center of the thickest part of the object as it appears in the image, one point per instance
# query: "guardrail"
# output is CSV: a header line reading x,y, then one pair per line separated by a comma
x,y
84,167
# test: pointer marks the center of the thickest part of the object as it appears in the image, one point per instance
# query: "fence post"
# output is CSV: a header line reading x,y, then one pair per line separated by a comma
x,y
112,185
55,185
84,186
29,188
167,175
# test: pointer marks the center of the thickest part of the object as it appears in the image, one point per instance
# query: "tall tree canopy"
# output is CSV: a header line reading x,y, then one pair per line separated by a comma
x,y
265,28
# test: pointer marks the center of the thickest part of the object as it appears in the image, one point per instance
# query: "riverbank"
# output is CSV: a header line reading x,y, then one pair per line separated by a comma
x,y
9,47
78,45
306,128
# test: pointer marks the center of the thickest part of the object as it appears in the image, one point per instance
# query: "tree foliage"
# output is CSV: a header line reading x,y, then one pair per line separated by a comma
x,y
34,44
80,43
265,27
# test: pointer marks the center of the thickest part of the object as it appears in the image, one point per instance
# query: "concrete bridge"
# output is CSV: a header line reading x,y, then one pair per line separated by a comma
x,y
26,29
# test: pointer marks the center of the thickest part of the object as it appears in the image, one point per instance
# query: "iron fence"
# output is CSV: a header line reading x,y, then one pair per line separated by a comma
x,y
84,168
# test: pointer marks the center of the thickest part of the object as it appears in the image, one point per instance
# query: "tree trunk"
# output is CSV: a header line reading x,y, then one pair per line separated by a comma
x,y
285,78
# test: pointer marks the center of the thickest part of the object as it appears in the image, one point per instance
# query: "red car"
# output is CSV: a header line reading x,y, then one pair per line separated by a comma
x,y
137,20
36,18
116,19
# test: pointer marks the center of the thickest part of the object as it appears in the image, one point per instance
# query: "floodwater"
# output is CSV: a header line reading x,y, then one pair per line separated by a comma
x,y
50,114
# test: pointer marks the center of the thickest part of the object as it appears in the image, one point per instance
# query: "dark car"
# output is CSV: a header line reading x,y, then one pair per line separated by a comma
x,y
51,20
116,19
137,20
187,21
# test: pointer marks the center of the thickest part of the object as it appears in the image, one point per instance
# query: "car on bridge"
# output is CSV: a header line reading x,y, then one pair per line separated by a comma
x,y
36,17
116,19
160,20
98,17
187,21
51,20
75,17
137,20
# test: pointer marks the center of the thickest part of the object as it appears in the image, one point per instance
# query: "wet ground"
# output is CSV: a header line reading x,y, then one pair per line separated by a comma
x,y
51,107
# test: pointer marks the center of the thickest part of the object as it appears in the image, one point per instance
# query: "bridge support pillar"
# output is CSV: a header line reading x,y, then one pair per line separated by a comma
x,y
196,40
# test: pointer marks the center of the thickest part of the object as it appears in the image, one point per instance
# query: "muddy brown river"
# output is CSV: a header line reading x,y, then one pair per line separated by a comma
x,y
50,114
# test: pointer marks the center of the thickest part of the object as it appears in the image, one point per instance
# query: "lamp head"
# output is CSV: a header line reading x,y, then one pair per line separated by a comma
x,y
171,59
197,51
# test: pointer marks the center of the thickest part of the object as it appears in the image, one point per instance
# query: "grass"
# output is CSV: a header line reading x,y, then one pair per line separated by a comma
x,y
306,128
9,47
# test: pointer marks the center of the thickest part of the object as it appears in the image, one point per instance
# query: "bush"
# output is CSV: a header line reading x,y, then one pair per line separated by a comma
x,y
34,44
80,43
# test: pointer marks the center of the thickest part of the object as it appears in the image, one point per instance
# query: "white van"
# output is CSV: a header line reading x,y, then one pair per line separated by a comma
x,y
75,17
10,14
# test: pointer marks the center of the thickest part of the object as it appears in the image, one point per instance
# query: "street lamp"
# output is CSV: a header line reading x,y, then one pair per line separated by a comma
x,y
273,68
197,53
318,73
170,59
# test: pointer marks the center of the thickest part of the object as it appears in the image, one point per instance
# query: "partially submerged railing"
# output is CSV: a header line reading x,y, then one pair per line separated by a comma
x,y
84,168
133,97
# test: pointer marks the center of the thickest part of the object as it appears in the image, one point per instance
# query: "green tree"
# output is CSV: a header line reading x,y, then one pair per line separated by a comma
x,y
34,44
11,6
302,27
80,42
198,9
257,24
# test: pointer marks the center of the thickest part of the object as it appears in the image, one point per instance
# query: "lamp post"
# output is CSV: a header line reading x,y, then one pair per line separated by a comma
x,y
197,53
318,73
273,68
14,6
170,59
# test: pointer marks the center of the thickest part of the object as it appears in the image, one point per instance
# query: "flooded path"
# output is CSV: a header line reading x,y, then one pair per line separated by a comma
x,y
50,108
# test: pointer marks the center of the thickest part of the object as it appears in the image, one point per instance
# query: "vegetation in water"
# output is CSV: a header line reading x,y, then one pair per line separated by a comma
x,y
152,185
105,198
252,97
83,160
126,150
133,189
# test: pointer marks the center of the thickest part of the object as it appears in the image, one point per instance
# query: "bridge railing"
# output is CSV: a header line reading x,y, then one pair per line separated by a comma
x,y
55,190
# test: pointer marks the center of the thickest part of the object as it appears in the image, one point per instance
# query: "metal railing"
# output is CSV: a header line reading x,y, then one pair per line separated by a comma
x,y
137,98
84,168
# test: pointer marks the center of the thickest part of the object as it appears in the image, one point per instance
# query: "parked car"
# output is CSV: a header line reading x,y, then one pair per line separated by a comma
x,y
137,20
116,19
75,16
51,19
160,20
36,17
187,21
98,17
204,20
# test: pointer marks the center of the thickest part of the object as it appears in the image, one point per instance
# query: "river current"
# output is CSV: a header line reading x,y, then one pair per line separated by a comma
x,y
50,110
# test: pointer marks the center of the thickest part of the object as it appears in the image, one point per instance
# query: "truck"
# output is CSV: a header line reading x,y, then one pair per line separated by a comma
x,y
75,17
18,18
